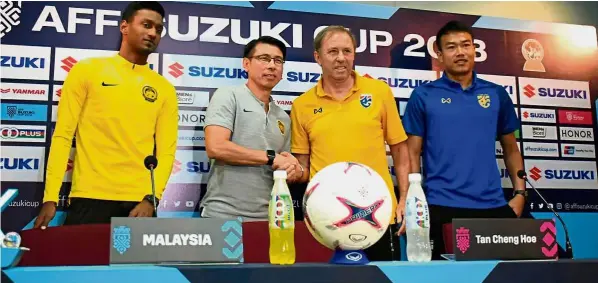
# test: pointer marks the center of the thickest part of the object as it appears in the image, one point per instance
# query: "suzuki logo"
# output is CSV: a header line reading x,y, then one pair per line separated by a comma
x,y
176,167
59,93
68,62
368,76
175,70
525,114
529,91
535,173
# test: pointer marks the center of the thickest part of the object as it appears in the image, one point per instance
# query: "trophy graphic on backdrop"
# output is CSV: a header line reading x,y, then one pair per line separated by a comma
x,y
533,52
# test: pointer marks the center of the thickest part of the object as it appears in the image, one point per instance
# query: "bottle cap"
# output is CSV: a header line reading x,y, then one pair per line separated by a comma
x,y
280,174
415,177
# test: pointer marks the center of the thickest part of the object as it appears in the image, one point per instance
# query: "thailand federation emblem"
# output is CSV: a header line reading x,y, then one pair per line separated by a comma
x,y
365,100
484,100
121,239
462,239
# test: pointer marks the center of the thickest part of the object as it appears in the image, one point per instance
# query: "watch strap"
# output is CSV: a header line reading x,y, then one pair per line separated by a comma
x,y
271,155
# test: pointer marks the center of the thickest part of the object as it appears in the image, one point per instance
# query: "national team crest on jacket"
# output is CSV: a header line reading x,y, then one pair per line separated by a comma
x,y
366,100
281,127
484,100
149,93
121,239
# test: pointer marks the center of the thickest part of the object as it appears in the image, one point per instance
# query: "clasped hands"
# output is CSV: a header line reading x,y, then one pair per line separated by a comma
x,y
288,162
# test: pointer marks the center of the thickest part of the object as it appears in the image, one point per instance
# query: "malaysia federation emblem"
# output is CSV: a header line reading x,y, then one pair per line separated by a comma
x,y
281,127
149,93
366,100
462,238
533,52
11,12
121,239
484,100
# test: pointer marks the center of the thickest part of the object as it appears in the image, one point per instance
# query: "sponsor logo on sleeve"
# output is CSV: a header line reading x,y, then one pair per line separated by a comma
x,y
25,62
549,92
557,174
572,117
34,92
22,164
578,150
538,115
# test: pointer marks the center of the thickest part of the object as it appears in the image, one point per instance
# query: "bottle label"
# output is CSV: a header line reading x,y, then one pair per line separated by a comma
x,y
417,214
281,212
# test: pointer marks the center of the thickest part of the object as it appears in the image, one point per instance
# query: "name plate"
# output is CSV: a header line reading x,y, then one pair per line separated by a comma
x,y
175,240
504,239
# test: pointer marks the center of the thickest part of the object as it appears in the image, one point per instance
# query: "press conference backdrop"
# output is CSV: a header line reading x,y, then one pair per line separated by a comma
x,y
552,80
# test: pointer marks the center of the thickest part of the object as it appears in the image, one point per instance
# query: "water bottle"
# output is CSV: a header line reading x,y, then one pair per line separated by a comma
x,y
281,220
418,222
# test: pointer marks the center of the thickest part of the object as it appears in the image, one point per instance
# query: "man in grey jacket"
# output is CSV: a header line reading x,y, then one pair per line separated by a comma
x,y
247,137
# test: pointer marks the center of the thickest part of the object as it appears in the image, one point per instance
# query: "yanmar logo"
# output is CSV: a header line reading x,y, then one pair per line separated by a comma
x,y
68,63
175,70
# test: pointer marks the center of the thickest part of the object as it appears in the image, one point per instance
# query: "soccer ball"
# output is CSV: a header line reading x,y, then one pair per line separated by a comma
x,y
347,206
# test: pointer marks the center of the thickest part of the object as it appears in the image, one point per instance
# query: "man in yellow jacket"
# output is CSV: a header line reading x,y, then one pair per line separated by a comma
x,y
121,111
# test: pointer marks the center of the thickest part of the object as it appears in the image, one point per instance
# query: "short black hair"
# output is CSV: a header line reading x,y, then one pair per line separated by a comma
x,y
135,6
250,47
452,26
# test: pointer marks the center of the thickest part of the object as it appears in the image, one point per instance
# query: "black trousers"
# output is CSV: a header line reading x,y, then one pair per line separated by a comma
x,y
96,211
388,248
440,215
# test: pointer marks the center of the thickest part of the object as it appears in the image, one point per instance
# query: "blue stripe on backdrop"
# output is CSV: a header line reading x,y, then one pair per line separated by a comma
x,y
583,232
457,272
99,274
337,8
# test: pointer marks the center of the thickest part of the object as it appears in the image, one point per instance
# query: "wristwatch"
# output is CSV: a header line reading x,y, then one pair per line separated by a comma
x,y
520,192
150,199
271,155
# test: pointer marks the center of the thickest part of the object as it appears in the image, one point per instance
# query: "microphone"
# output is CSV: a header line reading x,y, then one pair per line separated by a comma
x,y
151,163
568,248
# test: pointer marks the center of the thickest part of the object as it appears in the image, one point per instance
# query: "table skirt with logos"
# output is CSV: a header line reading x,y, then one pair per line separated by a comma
x,y
379,272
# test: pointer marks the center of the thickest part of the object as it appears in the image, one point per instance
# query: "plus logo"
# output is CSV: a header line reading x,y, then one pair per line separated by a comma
x,y
535,173
529,91
176,167
525,114
68,63
176,70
